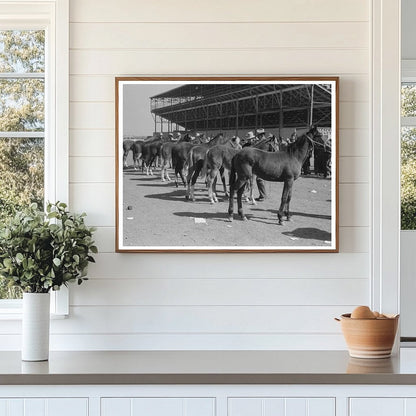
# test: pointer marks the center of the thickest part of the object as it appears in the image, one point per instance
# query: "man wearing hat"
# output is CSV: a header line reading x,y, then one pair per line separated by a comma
x,y
249,139
236,142
260,135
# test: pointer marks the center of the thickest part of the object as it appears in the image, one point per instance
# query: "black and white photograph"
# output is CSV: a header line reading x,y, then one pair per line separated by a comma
x,y
234,164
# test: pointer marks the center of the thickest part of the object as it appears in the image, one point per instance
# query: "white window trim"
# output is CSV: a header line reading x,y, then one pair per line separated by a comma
x,y
385,282
54,16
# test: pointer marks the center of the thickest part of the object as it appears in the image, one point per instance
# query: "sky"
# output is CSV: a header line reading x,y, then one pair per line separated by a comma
x,y
137,119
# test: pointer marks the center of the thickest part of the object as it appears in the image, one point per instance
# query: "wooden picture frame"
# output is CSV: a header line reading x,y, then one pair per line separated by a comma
x,y
169,122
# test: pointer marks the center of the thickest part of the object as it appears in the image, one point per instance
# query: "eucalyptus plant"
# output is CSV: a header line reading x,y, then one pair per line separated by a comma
x,y
42,251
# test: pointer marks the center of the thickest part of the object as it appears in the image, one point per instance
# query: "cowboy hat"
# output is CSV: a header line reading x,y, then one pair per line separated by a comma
x,y
250,135
260,131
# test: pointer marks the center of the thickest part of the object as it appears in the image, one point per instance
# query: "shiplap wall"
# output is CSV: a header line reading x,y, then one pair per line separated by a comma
x,y
218,301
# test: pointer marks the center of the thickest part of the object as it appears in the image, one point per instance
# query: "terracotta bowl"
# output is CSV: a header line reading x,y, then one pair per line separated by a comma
x,y
369,338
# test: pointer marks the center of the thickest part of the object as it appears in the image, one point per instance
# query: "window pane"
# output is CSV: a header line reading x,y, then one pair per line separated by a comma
x,y
21,173
22,51
21,109
21,182
22,105
408,178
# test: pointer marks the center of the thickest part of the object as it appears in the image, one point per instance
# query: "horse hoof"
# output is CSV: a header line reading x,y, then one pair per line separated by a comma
x,y
230,218
187,197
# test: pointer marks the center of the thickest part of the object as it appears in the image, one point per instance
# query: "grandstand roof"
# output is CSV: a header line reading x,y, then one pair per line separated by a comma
x,y
225,106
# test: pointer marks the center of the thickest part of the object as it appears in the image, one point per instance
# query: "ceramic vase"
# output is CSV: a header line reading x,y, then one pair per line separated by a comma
x,y
35,326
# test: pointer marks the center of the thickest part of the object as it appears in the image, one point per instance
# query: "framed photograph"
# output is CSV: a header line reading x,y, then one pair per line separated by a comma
x,y
226,164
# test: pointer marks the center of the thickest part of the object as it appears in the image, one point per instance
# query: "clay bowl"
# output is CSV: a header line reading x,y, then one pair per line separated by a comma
x,y
369,338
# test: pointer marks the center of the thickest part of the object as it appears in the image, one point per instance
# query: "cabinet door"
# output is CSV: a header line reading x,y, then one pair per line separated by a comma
x,y
44,407
270,406
160,406
376,406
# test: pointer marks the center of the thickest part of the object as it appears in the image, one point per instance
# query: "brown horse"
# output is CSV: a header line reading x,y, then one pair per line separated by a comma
x,y
195,161
282,166
166,156
150,151
137,153
127,146
179,157
217,159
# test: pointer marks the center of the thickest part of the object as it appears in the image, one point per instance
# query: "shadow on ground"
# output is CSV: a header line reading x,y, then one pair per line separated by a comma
x,y
309,233
218,216
294,213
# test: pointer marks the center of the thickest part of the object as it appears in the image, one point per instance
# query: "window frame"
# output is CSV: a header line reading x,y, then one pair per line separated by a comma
x,y
53,17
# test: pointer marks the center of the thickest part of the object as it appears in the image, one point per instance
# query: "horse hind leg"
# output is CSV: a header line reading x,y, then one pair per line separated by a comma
x,y
289,197
163,171
166,169
181,174
224,185
188,183
197,171
240,186
284,202
251,198
211,176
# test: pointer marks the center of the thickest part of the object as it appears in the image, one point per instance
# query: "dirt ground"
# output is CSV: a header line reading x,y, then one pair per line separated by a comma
x,y
156,213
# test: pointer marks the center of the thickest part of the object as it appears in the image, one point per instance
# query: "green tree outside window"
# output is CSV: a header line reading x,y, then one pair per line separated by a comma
x,y
22,87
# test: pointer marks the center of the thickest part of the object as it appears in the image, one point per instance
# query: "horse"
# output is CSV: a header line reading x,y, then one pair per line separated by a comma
x,y
166,156
282,166
127,146
179,156
137,153
150,151
217,159
195,161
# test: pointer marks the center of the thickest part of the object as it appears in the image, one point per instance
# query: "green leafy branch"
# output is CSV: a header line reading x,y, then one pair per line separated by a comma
x,y
43,251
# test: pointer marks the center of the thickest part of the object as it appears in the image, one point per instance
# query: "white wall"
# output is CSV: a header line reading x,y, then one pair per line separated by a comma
x,y
218,301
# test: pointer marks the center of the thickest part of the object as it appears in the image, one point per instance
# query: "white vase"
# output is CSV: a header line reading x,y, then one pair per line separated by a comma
x,y
35,326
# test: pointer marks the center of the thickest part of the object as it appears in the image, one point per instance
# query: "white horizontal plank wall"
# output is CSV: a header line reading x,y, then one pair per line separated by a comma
x,y
181,301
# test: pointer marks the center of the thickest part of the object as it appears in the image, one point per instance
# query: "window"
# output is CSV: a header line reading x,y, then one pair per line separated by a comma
x,y
22,124
33,112
408,155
